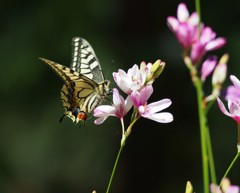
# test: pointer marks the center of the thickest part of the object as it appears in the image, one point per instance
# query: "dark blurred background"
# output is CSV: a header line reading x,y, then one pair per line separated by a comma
x,y
40,155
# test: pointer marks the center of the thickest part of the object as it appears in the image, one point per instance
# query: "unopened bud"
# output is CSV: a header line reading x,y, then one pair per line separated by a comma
x,y
143,65
157,68
189,188
220,72
224,59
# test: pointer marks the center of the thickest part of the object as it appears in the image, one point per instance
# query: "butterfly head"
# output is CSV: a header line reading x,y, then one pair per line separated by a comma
x,y
106,87
75,115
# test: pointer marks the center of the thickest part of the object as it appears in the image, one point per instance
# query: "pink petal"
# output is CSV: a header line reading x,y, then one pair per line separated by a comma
x,y
102,110
160,117
194,19
159,105
216,44
132,72
145,93
222,107
128,104
232,189
207,35
235,81
208,66
234,108
182,12
122,74
215,189
172,23
117,98
183,35
197,52
122,81
100,120
232,93
135,96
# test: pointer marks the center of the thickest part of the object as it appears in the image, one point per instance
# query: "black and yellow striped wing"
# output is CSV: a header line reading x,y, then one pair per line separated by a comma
x,y
84,60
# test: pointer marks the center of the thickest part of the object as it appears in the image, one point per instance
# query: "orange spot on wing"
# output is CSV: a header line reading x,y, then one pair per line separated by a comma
x,y
82,116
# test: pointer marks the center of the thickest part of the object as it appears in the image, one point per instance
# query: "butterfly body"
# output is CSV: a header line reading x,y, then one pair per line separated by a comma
x,y
84,84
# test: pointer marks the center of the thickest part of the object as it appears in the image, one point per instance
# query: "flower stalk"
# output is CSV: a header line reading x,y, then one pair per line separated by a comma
x,y
238,142
115,164
197,40
123,141
230,167
202,122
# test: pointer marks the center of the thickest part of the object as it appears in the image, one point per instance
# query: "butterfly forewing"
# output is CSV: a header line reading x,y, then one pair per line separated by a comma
x,y
85,61
64,72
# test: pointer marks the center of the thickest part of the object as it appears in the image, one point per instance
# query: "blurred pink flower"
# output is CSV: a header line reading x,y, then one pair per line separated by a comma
x,y
226,187
206,42
134,79
208,67
234,109
233,98
184,27
119,108
150,111
233,91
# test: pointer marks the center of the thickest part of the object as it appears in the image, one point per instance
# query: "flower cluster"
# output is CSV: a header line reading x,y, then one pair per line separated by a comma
x,y
196,40
194,37
137,84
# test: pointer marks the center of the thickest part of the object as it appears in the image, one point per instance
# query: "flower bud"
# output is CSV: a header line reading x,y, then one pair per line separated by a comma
x,y
220,72
208,66
157,68
153,70
189,188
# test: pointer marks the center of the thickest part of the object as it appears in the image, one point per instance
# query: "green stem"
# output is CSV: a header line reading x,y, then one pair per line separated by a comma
x,y
123,131
210,154
210,104
238,140
202,122
123,141
235,158
198,9
115,166
230,167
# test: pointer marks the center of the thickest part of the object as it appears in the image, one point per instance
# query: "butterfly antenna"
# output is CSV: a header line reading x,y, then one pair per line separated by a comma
x,y
62,117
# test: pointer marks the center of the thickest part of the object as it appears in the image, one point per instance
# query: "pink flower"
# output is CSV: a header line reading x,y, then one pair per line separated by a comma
x,y
134,79
234,109
119,108
226,187
208,67
233,91
150,111
233,98
206,42
184,27
140,98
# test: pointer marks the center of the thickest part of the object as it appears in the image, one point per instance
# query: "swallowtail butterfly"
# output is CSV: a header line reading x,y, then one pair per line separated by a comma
x,y
84,84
